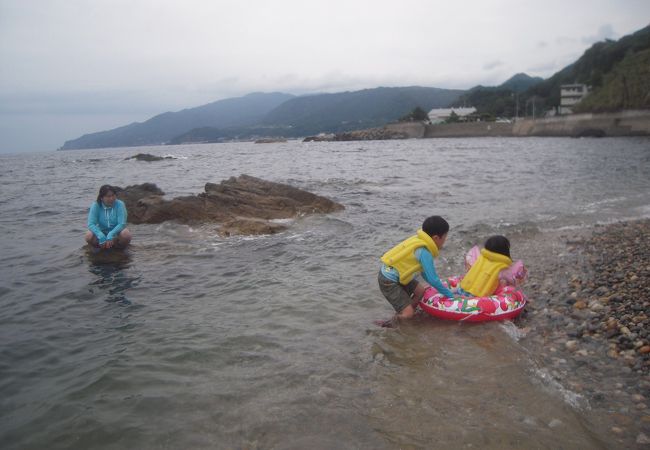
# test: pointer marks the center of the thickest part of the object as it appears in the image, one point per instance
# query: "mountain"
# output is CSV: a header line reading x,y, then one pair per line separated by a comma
x,y
626,86
520,82
356,110
498,101
231,112
265,115
332,113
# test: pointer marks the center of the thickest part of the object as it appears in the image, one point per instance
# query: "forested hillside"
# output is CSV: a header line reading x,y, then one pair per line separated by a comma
x,y
619,62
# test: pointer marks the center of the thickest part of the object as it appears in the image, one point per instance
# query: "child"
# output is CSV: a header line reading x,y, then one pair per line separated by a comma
x,y
491,268
407,259
107,221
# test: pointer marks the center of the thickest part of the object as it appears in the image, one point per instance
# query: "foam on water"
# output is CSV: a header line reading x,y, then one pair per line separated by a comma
x,y
512,330
573,399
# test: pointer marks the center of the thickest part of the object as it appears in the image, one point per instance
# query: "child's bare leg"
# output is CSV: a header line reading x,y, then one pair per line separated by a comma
x,y
91,239
123,238
407,313
419,292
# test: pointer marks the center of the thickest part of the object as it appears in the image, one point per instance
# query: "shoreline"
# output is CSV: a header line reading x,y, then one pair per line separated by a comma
x,y
627,123
588,321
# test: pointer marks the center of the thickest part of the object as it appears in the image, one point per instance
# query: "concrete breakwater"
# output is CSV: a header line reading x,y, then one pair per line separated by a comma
x,y
624,123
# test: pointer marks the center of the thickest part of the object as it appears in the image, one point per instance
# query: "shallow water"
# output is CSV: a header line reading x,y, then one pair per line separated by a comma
x,y
192,340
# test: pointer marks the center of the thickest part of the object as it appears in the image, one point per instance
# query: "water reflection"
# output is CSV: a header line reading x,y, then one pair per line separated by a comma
x,y
111,266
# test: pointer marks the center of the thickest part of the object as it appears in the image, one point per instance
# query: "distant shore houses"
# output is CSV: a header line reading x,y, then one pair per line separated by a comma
x,y
571,95
441,115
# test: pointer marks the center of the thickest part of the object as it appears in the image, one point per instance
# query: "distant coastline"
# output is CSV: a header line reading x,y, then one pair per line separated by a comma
x,y
619,124
624,123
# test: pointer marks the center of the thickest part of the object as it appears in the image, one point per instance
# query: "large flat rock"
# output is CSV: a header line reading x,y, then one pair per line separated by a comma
x,y
242,205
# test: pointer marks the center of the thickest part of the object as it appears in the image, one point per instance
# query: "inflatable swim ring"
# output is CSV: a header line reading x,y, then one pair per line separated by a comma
x,y
506,303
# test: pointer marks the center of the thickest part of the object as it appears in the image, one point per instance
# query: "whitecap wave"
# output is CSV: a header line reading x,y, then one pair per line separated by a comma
x,y
573,399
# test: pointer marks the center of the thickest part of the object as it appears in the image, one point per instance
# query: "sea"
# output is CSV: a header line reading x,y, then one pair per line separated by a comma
x,y
192,340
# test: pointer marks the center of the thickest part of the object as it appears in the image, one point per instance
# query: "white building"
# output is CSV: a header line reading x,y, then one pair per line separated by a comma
x,y
439,115
570,95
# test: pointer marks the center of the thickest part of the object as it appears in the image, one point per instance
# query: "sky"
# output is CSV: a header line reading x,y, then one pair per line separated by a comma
x,y
71,67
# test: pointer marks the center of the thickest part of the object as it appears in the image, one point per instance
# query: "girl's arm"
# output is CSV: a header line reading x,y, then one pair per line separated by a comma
x,y
121,220
93,223
471,257
515,275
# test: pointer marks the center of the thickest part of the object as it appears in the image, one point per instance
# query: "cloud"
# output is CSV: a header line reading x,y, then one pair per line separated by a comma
x,y
604,32
492,64
546,67
565,40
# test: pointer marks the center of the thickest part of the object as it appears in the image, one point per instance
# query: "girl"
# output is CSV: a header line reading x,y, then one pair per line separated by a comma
x,y
107,221
491,268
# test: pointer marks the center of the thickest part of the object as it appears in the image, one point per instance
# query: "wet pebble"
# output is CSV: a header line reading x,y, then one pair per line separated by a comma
x,y
642,439
595,318
571,345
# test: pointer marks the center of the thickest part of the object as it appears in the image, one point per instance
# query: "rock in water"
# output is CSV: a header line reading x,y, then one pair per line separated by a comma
x,y
243,205
148,157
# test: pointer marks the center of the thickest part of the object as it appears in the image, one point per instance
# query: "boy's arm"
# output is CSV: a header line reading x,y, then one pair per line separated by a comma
x,y
93,224
429,272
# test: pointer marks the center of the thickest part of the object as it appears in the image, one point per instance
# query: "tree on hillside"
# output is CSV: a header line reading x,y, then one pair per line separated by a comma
x,y
627,86
417,115
453,118
594,68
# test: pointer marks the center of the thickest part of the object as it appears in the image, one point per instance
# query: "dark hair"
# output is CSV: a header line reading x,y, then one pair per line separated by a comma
x,y
435,226
105,189
498,244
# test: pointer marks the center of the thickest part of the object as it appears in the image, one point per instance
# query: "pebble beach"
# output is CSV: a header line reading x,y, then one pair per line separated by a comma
x,y
588,322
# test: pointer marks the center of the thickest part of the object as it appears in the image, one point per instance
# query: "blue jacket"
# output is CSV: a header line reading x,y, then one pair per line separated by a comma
x,y
107,222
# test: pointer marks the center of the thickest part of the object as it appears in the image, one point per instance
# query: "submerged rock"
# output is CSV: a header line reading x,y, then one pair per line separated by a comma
x,y
243,205
148,157
270,140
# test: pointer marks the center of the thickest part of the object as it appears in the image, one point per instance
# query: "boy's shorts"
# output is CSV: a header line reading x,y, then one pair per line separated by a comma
x,y
398,295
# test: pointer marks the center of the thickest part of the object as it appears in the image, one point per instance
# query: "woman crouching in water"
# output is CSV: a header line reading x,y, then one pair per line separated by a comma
x,y
107,221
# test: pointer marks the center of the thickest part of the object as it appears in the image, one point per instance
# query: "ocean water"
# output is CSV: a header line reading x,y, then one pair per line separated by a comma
x,y
191,340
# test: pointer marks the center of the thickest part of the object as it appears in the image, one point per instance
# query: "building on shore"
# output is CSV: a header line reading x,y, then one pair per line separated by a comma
x,y
571,95
440,115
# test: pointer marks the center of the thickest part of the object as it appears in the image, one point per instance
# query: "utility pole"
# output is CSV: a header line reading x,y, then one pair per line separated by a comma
x,y
533,107
516,105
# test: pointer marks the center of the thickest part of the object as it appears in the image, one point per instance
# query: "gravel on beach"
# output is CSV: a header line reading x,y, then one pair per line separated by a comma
x,y
588,321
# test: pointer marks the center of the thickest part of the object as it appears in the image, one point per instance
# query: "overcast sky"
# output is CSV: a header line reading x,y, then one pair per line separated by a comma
x,y
70,67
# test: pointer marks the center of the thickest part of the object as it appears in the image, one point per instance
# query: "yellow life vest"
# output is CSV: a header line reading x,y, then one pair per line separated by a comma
x,y
483,278
402,257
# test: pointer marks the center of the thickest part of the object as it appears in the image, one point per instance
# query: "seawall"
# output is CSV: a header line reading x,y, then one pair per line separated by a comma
x,y
409,130
469,129
624,123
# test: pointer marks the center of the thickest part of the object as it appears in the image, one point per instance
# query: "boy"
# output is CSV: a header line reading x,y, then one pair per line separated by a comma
x,y
408,258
